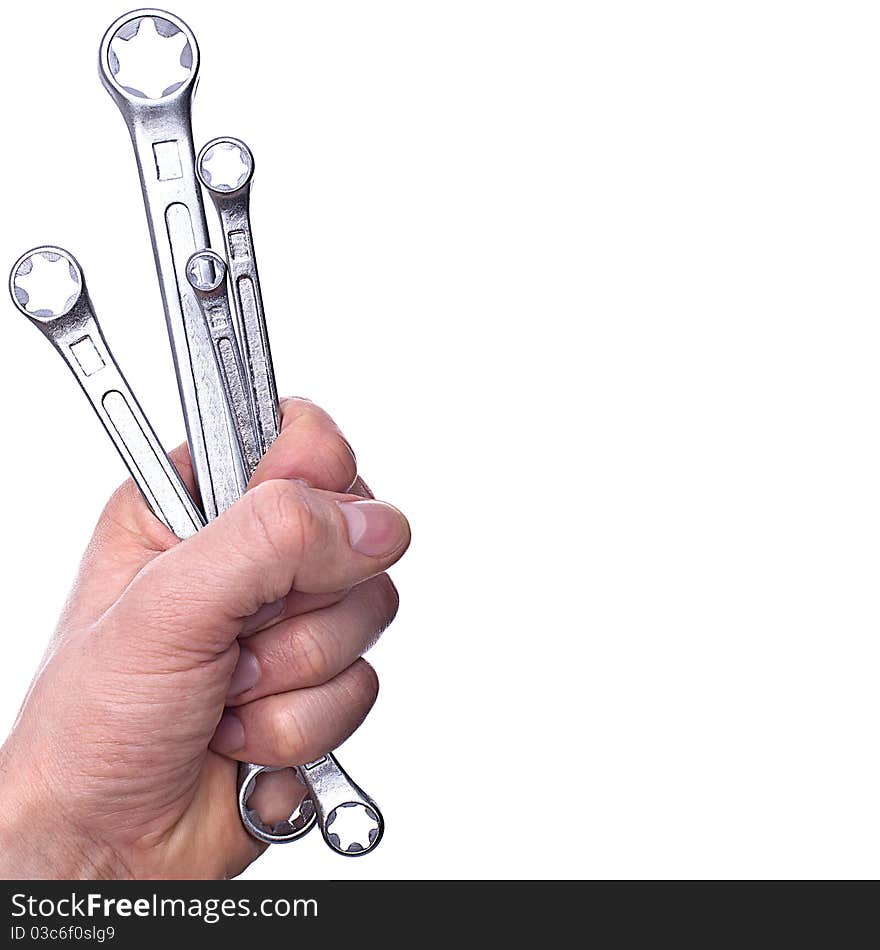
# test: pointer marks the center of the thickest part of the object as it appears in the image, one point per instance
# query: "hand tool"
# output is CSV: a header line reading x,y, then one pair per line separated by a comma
x,y
48,287
206,272
225,167
149,63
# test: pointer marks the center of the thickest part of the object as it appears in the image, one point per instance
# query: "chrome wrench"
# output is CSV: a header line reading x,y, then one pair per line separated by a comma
x,y
225,167
48,287
149,63
351,822
206,272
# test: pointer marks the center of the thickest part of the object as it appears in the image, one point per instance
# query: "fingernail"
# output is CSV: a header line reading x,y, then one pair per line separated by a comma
x,y
265,615
373,527
229,734
246,674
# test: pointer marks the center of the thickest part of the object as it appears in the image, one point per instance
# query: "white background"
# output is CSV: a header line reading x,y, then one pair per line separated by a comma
x,y
593,290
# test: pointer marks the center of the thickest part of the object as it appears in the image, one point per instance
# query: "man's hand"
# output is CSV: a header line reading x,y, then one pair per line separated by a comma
x,y
173,660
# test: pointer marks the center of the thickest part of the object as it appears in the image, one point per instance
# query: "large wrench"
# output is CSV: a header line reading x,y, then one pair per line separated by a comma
x,y
350,821
157,111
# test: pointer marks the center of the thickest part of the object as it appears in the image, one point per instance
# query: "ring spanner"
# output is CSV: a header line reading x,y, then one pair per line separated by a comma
x,y
48,287
225,167
149,63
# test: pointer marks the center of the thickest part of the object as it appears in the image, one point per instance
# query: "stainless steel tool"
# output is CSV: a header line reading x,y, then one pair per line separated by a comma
x,y
48,287
299,823
350,820
149,63
206,272
225,167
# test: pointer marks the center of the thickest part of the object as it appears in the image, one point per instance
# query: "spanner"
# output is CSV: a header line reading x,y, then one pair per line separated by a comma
x,y
225,167
351,822
206,273
48,287
149,63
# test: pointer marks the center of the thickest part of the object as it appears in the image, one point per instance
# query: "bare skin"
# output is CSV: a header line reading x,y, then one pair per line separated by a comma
x,y
174,660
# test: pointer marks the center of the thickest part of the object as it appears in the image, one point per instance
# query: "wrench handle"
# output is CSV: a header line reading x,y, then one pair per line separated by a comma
x,y
79,340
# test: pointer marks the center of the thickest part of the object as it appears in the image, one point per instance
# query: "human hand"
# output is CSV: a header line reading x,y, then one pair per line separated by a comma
x,y
119,764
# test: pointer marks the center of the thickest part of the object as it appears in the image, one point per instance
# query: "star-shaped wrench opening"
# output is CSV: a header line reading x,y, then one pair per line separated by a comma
x,y
352,827
225,166
150,57
47,284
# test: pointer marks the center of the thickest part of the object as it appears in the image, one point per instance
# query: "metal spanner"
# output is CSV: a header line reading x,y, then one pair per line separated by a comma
x,y
206,272
48,287
149,62
225,167
350,821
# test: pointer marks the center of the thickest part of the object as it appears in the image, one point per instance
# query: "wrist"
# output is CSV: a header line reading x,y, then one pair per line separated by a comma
x,y
39,841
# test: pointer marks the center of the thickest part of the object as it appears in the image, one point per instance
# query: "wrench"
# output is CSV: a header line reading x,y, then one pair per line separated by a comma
x,y
48,286
206,272
351,822
153,89
225,167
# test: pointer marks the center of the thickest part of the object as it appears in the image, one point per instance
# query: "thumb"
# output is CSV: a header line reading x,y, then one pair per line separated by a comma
x,y
279,537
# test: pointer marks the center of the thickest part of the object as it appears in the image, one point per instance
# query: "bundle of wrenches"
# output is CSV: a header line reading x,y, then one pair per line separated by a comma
x,y
149,63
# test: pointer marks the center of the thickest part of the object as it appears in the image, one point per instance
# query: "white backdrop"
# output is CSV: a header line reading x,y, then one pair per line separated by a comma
x,y
593,291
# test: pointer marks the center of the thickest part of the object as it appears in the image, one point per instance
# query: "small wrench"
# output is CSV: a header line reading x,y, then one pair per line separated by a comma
x,y
206,272
157,111
225,167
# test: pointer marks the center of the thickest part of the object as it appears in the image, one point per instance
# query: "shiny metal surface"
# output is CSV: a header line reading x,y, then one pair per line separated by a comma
x,y
206,272
299,823
350,820
65,316
225,167
149,63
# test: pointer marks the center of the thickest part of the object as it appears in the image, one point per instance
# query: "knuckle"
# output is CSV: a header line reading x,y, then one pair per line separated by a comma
x,y
387,599
342,464
331,448
303,413
279,517
286,735
126,514
121,497
295,405
361,686
313,658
